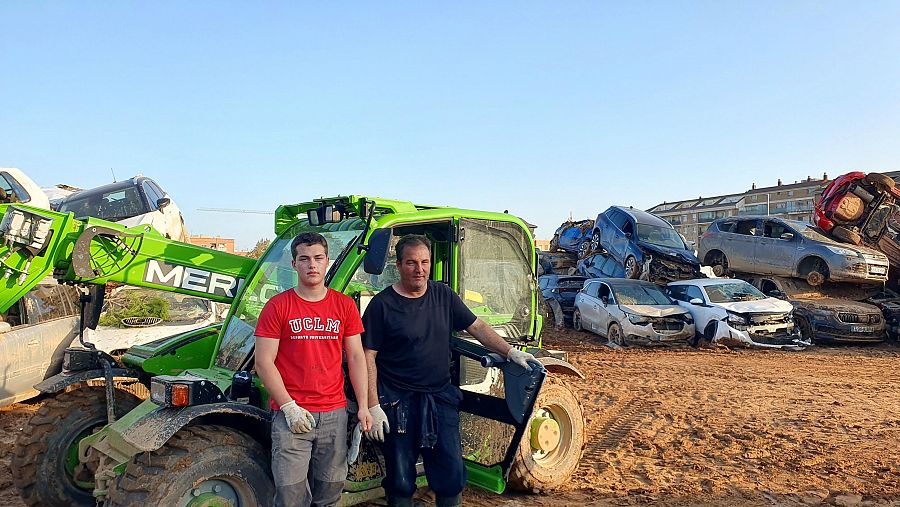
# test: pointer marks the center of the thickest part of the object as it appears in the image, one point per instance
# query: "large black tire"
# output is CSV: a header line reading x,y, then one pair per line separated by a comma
x,y
615,335
536,471
577,325
192,463
806,331
846,235
41,466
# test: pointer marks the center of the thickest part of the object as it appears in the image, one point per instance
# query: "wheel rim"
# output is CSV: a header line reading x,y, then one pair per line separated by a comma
x,y
615,336
584,248
576,320
548,415
217,492
73,465
629,267
595,241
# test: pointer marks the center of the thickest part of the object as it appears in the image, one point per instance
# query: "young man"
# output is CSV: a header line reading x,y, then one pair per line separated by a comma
x,y
415,407
299,337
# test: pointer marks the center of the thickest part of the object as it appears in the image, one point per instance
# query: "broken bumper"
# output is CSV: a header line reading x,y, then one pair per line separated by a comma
x,y
766,336
658,330
869,268
663,270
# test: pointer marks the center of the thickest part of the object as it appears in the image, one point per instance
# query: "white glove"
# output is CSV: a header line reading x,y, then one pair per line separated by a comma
x,y
355,440
299,419
520,357
380,426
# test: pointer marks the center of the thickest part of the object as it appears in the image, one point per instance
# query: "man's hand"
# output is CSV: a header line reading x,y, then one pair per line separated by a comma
x,y
520,357
380,425
365,419
298,418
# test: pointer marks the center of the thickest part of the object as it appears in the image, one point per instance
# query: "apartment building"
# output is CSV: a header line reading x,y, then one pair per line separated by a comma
x,y
794,201
214,242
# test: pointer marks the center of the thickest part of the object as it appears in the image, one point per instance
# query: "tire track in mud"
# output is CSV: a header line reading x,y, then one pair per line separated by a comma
x,y
623,418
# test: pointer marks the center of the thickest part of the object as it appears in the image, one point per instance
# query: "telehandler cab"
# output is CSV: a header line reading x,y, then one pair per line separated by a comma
x,y
183,420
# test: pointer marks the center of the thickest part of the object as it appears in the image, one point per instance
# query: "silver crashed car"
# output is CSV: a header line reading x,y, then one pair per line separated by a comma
x,y
773,246
626,311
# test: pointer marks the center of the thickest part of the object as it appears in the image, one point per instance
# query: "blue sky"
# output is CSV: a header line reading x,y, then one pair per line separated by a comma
x,y
541,108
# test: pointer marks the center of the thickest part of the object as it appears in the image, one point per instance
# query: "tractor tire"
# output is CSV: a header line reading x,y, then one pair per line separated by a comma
x,y
207,464
846,235
882,182
538,471
42,463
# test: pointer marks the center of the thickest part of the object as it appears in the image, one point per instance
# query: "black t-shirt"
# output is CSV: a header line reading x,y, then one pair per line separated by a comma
x,y
412,336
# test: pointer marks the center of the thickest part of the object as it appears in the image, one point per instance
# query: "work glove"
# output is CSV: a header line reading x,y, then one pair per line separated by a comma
x,y
380,426
299,419
355,440
520,357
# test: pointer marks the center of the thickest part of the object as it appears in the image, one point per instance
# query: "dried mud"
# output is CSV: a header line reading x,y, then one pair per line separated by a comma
x,y
683,427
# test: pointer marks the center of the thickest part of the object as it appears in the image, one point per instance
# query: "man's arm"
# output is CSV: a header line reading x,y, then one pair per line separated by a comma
x,y
488,337
373,376
356,365
266,350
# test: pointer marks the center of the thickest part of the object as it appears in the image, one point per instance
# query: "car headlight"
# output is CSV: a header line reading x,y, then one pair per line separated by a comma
x,y
638,319
846,252
736,318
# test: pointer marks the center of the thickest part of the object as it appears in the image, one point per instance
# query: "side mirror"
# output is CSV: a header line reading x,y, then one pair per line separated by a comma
x,y
162,202
627,234
377,251
324,214
787,235
696,301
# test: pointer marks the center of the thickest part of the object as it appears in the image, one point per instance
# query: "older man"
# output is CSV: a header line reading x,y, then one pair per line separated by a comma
x,y
414,406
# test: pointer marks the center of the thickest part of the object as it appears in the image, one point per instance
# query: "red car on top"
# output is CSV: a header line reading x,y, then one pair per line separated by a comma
x,y
862,208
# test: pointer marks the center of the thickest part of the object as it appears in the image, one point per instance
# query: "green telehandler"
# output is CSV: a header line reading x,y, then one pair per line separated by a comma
x,y
184,421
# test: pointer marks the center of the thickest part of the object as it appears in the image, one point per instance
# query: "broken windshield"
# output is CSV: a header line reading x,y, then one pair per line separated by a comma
x,y
640,295
733,292
662,236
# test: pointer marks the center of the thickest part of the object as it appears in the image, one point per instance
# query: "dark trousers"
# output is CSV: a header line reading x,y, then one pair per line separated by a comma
x,y
444,467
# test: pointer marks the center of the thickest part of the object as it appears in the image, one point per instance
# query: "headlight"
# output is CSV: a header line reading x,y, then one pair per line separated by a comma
x,y
638,319
846,252
184,391
736,318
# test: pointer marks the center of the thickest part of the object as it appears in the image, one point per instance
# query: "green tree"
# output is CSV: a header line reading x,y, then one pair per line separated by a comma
x,y
259,249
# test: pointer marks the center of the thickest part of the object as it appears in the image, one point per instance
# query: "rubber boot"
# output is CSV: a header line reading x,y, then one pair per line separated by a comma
x,y
448,501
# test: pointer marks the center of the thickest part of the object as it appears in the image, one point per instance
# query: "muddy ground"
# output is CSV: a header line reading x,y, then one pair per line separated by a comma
x,y
681,427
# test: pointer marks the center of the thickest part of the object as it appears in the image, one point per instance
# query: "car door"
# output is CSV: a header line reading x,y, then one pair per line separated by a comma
x,y
777,254
33,335
604,308
741,246
589,304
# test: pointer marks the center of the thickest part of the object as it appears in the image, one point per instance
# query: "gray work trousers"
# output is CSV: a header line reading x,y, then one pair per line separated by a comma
x,y
310,468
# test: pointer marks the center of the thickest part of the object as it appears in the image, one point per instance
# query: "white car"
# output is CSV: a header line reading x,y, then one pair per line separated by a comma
x,y
625,311
17,187
733,312
135,201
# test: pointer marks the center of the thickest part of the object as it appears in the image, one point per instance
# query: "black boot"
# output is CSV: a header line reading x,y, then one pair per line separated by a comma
x,y
394,501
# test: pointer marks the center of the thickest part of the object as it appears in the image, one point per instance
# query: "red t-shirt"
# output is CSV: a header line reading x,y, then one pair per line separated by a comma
x,y
312,340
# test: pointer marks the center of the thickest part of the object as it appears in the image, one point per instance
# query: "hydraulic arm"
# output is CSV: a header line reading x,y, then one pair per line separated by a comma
x,y
36,243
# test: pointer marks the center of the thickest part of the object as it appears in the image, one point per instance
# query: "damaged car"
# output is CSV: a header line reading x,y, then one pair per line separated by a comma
x,y
573,237
831,313
775,246
646,246
559,295
888,302
630,311
734,313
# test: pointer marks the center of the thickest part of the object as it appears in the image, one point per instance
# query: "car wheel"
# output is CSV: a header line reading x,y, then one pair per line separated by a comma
x,y
846,235
882,182
584,249
554,243
806,331
595,240
576,321
632,268
817,273
614,335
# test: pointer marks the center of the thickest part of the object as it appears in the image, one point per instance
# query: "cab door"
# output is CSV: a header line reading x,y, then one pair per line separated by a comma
x,y
494,275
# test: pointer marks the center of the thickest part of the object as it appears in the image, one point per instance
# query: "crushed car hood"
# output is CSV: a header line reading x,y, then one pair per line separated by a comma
x,y
768,305
834,304
674,254
654,310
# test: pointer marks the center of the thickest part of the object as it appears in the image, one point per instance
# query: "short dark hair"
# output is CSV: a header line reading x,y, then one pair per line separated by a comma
x,y
412,240
307,238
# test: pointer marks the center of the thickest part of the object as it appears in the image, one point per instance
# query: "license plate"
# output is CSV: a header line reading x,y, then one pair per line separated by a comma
x,y
861,329
877,270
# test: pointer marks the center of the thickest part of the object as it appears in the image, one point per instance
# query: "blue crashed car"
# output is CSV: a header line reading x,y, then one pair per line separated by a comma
x,y
573,237
644,245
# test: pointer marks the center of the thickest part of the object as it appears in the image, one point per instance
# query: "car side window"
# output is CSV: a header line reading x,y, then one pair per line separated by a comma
x,y
13,190
618,219
694,292
746,227
593,289
774,229
767,286
152,195
605,292
727,226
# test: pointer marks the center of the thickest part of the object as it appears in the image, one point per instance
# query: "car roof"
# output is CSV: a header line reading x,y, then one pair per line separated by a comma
x,y
642,217
109,187
620,282
706,282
